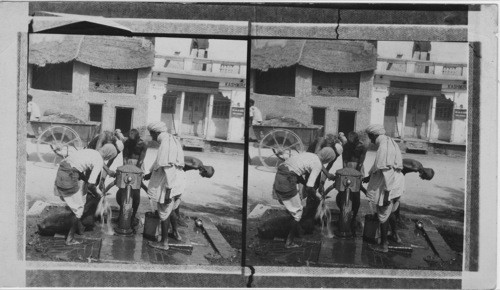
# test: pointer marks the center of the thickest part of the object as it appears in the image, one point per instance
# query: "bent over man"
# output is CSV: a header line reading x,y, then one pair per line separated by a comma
x,y
78,173
166,174
386,182
289,174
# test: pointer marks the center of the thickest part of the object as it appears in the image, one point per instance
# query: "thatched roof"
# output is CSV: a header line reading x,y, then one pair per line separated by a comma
x,y
107,52
339,56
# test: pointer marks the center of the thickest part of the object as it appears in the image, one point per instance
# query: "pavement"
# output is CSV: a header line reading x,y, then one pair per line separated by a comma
x,y
441,198
219,197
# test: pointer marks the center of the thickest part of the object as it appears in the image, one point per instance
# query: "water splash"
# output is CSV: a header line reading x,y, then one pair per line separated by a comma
x,y
105,213
325,217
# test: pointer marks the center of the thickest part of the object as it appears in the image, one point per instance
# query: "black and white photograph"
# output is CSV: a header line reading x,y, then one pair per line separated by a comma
x,y
134,149
249,144
374,133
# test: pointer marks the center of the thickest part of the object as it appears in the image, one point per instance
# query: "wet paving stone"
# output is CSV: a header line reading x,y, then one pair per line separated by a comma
x,y
87,251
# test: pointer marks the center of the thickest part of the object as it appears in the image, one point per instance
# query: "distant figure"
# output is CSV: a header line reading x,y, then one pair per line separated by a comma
x,y
255,119
33,112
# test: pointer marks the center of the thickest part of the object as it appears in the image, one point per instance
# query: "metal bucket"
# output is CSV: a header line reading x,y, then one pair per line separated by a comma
x,y
151,224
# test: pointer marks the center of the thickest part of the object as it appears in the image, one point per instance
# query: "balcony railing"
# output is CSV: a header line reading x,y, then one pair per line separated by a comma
x,y
412,66
201,64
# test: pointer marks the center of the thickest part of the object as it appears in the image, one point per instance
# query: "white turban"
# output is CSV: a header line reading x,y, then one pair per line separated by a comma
x,y
108,151
375,129
157,127
326,155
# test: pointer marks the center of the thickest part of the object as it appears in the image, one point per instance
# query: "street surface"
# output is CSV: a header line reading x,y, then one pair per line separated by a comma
x,y
219,196
442,197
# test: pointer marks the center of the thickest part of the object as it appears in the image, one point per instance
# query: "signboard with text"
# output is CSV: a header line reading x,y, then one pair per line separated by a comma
x,y
238,112
460,113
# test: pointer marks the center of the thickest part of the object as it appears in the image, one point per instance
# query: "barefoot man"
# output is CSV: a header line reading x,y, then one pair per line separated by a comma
x,y
386,182
77,174
167,178
289,174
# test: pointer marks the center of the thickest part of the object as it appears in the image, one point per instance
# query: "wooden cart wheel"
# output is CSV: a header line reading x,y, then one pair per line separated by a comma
x,y
56,143
277,146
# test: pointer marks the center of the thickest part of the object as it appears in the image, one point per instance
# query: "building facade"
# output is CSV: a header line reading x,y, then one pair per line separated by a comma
x,y
317,82
94,78
421,100
199,98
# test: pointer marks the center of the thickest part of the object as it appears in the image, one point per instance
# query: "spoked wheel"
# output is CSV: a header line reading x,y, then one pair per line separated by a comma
x,y
277,146
56,143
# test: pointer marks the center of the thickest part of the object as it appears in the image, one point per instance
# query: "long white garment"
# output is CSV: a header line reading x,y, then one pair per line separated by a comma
x,y
385,174
167,165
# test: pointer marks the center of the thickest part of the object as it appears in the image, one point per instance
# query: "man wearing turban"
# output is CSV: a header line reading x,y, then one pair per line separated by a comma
x,y
385,182
166,179
77,174
289,174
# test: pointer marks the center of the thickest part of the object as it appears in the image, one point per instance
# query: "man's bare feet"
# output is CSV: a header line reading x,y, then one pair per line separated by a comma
x,y
175,235
159,245
395,238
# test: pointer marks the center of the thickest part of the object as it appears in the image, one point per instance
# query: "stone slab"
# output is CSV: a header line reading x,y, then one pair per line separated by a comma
x,y
220,243
37,208
258,211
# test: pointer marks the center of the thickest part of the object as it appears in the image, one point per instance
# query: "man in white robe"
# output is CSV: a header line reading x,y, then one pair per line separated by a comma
x,y
166,179
386,182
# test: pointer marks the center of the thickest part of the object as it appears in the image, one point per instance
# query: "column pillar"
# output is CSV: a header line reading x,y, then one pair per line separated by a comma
x,y
433,115
181,113
403,125
208,117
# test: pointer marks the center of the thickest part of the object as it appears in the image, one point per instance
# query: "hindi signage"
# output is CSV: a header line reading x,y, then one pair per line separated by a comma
x,y
238,112
460,113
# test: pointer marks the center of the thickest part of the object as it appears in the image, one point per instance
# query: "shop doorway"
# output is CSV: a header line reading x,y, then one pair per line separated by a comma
x,y
319,118
123,120
417,115
347,121
193,117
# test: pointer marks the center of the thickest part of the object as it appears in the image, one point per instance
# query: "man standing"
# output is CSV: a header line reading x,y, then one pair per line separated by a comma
x,y
385,182
166,173
77,174
353,156
285,184
134,152
32,114
255,119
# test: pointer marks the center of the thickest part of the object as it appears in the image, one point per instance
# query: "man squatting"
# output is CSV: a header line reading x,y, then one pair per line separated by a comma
x,y
77,175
